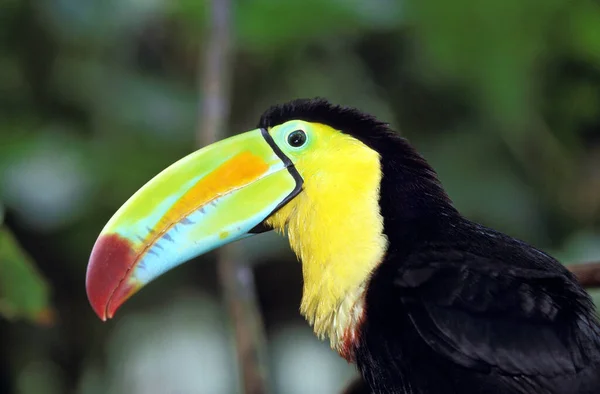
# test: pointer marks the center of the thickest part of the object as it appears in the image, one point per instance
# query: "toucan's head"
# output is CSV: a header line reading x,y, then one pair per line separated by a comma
x,y
311,169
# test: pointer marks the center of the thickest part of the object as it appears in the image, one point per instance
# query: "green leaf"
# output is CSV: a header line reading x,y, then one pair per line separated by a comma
x,y
24,294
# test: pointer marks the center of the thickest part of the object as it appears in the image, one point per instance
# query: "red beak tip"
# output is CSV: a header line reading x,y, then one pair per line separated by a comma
x,y
110,262
110,311
97,306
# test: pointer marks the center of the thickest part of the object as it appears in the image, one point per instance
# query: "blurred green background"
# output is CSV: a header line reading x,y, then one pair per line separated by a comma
x,y
97,96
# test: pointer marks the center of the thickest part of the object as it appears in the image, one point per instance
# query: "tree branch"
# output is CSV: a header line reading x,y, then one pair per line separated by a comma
x,y
588,274
236,276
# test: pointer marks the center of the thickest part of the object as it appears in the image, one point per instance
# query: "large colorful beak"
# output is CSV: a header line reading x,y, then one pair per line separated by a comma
x,y
212,197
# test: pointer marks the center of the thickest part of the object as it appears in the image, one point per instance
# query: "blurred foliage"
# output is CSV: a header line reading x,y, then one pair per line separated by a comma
x,y
23,292
97,96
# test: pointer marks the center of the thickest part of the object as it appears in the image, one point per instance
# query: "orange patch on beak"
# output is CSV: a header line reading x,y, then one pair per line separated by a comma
x,y
236,172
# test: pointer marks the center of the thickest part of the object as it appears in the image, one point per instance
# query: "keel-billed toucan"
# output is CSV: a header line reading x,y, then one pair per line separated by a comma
x,y
423,300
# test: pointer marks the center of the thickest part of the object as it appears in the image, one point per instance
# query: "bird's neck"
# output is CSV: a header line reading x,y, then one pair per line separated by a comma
x,y
413,202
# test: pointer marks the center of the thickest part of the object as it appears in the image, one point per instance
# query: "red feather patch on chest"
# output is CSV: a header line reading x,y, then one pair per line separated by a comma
x,y
351,338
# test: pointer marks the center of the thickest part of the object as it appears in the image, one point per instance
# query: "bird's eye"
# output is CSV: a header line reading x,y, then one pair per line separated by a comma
x,y
296,138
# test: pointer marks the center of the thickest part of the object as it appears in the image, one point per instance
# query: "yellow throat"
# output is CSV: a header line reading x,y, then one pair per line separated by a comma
x,y
336,229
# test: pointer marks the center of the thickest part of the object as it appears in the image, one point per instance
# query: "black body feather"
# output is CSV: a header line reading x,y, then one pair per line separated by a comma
x,y
455,307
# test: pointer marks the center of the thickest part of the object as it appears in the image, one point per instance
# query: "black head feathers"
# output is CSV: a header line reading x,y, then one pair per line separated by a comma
x,y
364,127
348,120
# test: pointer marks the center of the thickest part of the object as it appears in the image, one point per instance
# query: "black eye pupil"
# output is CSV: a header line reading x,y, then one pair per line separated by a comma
x,y
297,138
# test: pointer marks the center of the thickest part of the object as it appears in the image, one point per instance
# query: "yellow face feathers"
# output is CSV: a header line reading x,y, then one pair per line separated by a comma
x,y
334,225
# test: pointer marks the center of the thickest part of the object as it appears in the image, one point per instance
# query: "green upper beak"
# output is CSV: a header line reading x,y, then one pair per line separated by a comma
x,y
212,197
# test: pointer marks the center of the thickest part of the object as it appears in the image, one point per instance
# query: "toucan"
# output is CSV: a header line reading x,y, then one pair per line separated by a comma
x,y
420,298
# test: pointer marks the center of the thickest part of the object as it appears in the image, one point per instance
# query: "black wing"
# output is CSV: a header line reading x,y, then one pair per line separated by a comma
x,y
484,314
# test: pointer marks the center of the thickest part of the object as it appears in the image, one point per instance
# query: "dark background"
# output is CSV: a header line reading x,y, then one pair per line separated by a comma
x,y
97,96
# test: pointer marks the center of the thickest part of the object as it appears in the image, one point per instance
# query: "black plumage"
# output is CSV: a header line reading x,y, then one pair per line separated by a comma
x,y
455,307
